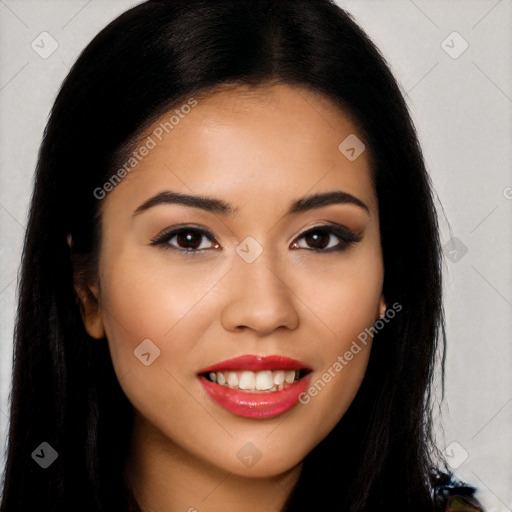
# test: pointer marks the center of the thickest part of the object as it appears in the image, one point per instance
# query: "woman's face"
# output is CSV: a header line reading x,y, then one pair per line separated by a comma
x,y
281,257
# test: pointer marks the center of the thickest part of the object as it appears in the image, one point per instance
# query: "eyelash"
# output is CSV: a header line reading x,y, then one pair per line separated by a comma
x,y
347,238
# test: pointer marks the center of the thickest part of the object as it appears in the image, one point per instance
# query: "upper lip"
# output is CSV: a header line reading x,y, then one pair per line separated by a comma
x,y
256,363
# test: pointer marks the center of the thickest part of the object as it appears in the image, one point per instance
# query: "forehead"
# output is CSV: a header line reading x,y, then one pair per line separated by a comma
x,y
244,141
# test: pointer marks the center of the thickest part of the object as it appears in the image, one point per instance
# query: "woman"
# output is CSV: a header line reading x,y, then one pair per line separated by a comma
x,y
231,286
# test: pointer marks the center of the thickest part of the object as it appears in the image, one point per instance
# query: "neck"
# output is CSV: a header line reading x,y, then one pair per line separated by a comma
x,y
164,477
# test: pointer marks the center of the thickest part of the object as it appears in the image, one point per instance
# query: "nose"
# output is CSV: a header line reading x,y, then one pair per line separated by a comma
x,y
258,298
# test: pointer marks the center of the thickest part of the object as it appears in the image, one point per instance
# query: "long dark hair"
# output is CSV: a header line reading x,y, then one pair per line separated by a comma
x,y
381,455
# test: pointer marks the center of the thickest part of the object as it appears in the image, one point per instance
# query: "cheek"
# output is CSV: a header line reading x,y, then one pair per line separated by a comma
x,y
342,299
342,305
343,313
149,308
149,298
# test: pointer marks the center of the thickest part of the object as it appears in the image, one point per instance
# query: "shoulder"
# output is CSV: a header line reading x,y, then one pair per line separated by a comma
x,y
458,496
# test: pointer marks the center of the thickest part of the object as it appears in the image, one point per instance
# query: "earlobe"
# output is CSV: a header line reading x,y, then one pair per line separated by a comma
x,y
94,327
382,307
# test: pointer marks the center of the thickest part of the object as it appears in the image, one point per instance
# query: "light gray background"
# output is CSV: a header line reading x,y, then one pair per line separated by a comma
x,y
462,109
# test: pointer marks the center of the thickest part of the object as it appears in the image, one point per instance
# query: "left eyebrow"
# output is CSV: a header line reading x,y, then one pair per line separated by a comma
x,y
326,199
214,205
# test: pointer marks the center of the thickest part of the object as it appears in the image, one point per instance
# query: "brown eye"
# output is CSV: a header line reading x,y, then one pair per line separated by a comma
x,y
187,240
318,239
327,239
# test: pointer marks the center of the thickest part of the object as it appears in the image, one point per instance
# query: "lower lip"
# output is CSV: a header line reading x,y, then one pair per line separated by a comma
x,y
256,405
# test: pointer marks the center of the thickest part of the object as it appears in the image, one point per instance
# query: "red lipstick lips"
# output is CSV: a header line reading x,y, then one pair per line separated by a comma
x,y
251,404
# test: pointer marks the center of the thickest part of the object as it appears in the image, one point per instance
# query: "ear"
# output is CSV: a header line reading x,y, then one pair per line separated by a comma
x,y
87,296
382,307
87,299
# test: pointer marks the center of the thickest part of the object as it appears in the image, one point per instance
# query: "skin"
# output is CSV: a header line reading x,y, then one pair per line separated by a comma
x,y
258,149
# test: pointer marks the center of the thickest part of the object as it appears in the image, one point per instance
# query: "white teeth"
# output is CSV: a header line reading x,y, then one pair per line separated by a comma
x,y
279,377
289,377
232,379
263,380
247,380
